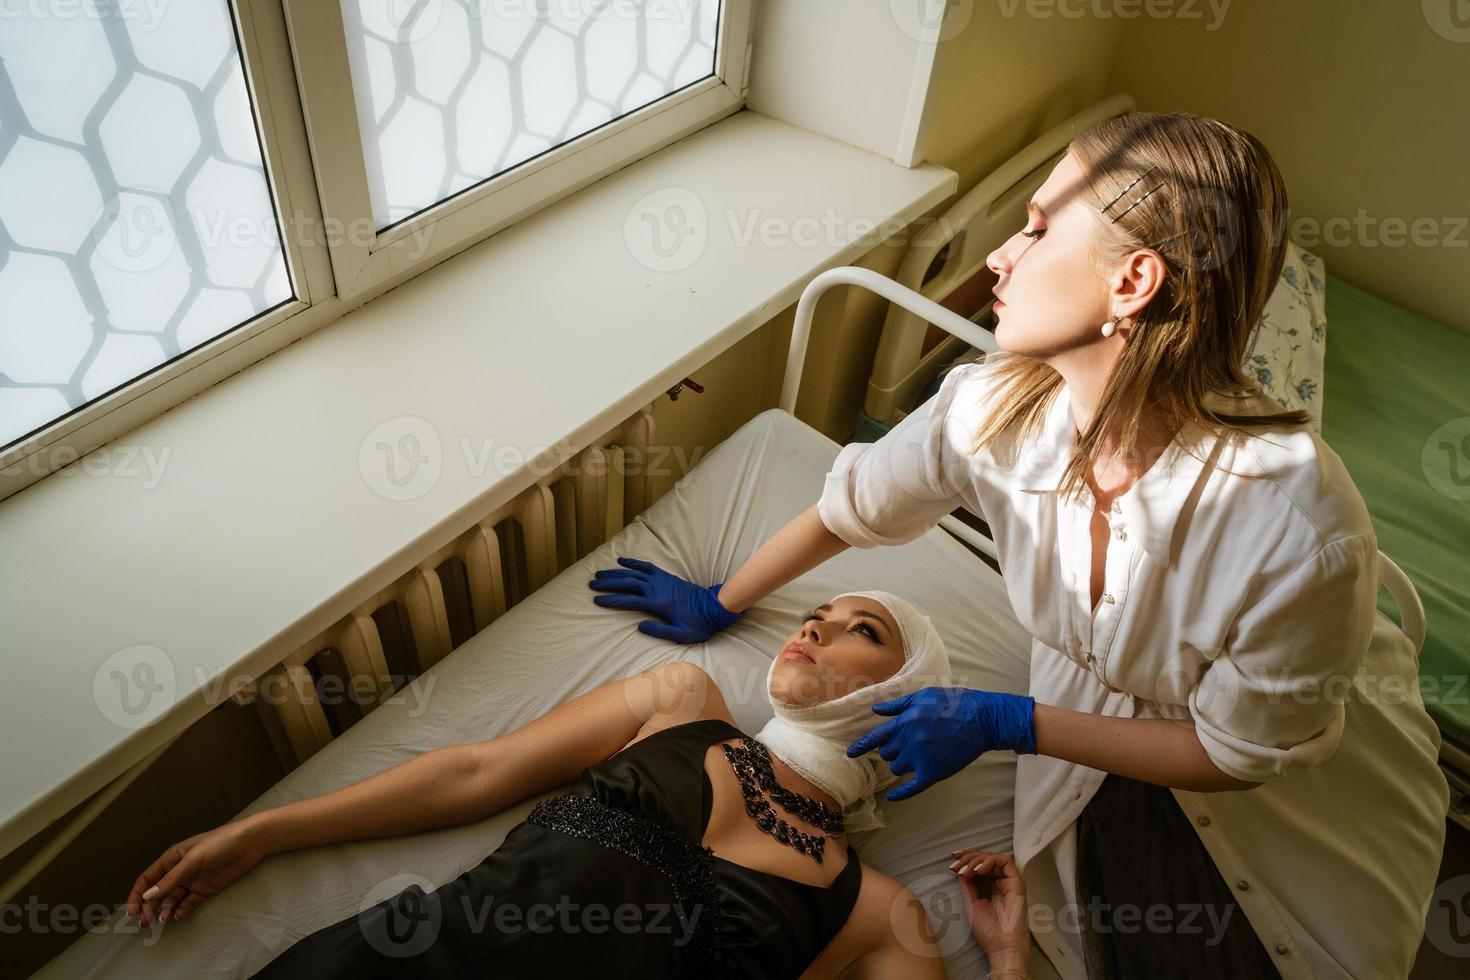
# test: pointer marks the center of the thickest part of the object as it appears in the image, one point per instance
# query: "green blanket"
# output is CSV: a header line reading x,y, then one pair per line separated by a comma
x,y
1392,380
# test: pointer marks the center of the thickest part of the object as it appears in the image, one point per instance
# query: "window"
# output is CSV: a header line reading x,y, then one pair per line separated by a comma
x,y
137,218
179,179
449,95
435,123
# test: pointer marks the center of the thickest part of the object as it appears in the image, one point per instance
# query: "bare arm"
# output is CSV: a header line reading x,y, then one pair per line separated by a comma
x,y
460,784
1155,750
895,933
444,787
803,544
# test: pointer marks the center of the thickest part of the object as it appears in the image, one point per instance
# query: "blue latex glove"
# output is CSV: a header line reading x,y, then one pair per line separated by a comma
x,y
940,730
690,613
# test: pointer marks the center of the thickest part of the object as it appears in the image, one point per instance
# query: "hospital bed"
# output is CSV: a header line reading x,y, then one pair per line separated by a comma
x,y
1392,380
556,644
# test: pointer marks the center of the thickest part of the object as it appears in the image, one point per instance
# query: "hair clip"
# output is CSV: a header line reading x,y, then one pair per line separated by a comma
x,y
1118,217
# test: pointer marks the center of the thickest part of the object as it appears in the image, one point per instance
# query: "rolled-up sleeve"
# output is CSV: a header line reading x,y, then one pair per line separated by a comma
x,y
891,491
1275,698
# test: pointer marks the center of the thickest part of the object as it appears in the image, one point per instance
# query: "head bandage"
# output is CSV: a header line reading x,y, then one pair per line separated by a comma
x,y
813,739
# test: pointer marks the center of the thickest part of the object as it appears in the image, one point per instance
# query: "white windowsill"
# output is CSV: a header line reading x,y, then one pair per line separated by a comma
x,y
263,529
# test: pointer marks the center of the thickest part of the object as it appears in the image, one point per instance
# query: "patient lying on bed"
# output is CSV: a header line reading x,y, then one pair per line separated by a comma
x,y
684,847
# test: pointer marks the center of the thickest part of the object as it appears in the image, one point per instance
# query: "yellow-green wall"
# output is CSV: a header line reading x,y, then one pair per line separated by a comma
x,y
1364,104
1366,108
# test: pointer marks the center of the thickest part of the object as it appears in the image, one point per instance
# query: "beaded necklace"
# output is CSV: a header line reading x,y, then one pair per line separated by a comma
x,y
752,764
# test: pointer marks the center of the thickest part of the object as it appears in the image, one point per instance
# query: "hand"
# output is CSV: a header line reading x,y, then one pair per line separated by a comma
x,y
691,613
995,904
940,730
194,870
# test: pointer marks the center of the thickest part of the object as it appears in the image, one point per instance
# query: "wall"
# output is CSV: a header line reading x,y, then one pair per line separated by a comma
x,y
1004,77
1364,106
869,101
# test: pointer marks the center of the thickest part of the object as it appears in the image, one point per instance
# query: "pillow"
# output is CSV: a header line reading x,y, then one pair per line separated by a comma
x,y
1290,344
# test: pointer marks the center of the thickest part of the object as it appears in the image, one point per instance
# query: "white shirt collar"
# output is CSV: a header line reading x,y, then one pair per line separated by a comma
x,y
1151,507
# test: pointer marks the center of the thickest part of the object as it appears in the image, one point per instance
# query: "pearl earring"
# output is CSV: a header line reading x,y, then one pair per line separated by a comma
x,y
1109,327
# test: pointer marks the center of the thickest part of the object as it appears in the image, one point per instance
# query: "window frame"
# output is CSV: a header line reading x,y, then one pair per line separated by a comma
x,y
260,39
317,176
479,211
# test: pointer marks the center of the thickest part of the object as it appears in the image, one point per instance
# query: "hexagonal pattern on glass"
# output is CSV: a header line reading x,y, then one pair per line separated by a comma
x,y
451,93
136,220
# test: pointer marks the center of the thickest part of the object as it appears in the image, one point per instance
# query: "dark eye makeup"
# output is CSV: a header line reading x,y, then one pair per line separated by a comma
x,y
865,627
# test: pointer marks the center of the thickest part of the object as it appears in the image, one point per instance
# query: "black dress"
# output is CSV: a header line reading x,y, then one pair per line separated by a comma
x,y
1136,851
610,879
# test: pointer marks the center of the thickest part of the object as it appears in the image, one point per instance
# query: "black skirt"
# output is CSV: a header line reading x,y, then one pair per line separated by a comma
x,y
1153,903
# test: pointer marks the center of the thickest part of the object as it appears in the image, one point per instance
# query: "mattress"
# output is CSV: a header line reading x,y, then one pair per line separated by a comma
x,y
557,644
1394,382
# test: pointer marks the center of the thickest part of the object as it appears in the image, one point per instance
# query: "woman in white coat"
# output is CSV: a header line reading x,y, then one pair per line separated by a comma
x,y
1225,768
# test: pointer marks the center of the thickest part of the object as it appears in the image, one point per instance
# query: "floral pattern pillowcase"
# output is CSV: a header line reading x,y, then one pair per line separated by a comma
x,y
1290,345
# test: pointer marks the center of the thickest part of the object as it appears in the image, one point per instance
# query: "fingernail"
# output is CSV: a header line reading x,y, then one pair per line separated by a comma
x,y
150,893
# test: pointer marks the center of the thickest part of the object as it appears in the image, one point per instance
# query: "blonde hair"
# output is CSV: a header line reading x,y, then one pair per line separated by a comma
x,y
1209,199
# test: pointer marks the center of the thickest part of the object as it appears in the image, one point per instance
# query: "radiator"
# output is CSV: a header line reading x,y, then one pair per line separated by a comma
x,y
505,556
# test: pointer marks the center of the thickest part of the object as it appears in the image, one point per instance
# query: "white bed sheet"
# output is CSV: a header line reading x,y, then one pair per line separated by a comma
x,y
557,644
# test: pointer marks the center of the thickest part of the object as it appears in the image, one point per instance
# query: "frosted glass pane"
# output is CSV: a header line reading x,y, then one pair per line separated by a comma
x,y
136,222
452,92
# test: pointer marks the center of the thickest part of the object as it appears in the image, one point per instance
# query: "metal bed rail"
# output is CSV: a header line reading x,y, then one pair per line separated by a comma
x,y
908,299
